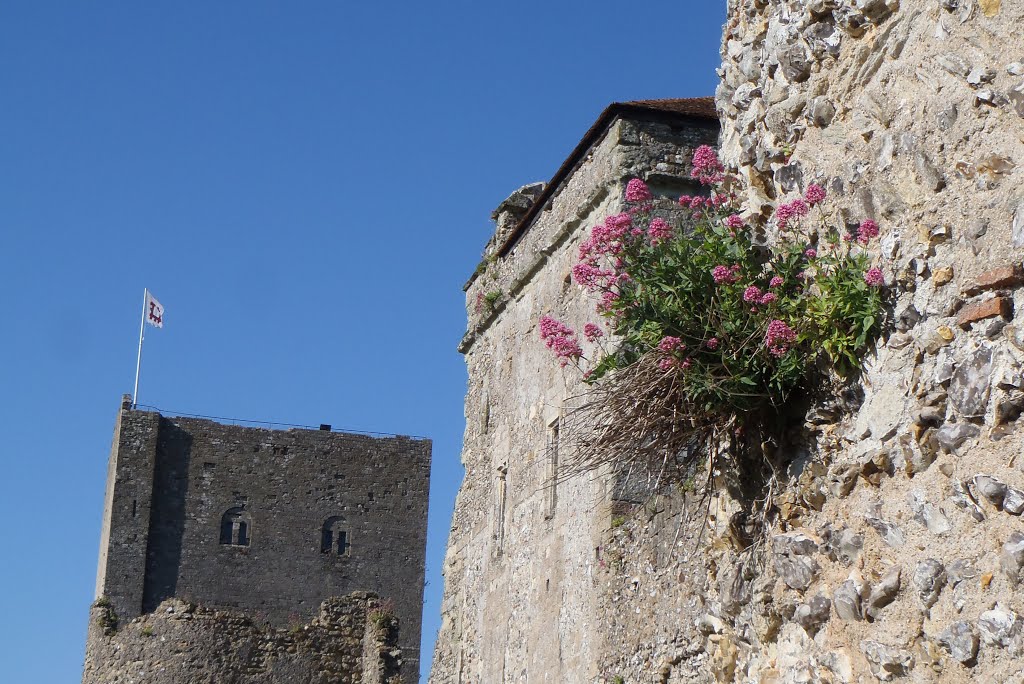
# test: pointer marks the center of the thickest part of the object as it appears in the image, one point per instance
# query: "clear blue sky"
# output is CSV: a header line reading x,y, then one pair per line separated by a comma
x,y
305,187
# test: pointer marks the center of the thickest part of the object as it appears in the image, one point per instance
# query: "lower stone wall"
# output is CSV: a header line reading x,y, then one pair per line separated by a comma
x,y
876,571
353,640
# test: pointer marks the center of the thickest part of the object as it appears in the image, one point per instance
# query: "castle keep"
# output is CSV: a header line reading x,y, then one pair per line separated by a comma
x,y
266,524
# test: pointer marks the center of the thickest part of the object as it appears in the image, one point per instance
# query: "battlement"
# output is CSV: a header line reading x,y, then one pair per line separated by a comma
x,y
262,521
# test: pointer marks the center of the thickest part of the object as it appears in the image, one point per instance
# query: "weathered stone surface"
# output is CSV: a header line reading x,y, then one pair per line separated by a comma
x,y
969,388
822,112
883,593
999,627
733,589
1018,217
929,579
796,66
847,599
964,500
961,570
877,10
990,488
928,175
181,642
943,275
961,641
794,561
954,64
952,435
1013,501
1016,97
813,614
890,532
887,662
979,75
1011,560
932,517
848,545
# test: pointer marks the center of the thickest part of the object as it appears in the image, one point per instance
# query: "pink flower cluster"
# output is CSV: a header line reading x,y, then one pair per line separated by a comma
x,y
735,222
752,294
712,343
768,298
874,277
588,275
776,281
669,362
868,230
725,274
592,332
606,239
637,191
779,338
815,194
707,168
659,230
810,252
669,344
608,300
790,211
698,202
561,339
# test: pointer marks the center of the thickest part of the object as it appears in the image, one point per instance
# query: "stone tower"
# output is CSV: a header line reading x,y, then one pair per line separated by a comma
x,y
263,526
520,600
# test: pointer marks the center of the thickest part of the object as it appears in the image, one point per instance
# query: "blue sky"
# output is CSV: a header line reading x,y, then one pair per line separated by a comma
x,y
305,187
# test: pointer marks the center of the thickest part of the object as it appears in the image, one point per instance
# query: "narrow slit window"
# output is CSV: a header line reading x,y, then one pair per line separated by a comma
x,y
499,513
551,476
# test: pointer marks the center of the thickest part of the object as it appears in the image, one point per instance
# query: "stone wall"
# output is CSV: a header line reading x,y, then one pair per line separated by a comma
x,y
345,642
896,548
523,559
268,523
898,544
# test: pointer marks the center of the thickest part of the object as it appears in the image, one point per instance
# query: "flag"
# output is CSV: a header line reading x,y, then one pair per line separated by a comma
x,y
154,311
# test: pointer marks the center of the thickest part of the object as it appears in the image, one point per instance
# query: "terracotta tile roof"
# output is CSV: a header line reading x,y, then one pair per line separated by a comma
x,y
679,108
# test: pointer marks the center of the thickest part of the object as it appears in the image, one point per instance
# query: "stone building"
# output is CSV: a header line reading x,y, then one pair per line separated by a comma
x,y
896,547
265,526
524,554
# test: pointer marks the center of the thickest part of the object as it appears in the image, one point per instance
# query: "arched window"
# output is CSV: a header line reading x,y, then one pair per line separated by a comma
x,y
334,537
235,527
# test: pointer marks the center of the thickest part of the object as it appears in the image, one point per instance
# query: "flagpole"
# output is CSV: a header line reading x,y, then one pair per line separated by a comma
x,y
142,334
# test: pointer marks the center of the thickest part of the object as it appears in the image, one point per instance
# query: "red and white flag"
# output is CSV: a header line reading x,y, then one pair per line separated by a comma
x,y
154,311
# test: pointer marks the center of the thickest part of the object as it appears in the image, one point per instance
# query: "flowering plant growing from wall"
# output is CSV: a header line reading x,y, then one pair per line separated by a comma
x,y
703,328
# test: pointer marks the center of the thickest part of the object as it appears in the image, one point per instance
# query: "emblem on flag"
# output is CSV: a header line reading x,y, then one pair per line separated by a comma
x,y
154,311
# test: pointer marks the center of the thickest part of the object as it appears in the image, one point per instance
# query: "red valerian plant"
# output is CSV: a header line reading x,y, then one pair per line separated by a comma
x,y
700,313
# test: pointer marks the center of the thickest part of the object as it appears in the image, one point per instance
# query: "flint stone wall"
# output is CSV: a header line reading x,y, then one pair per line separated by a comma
x,y
898,548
